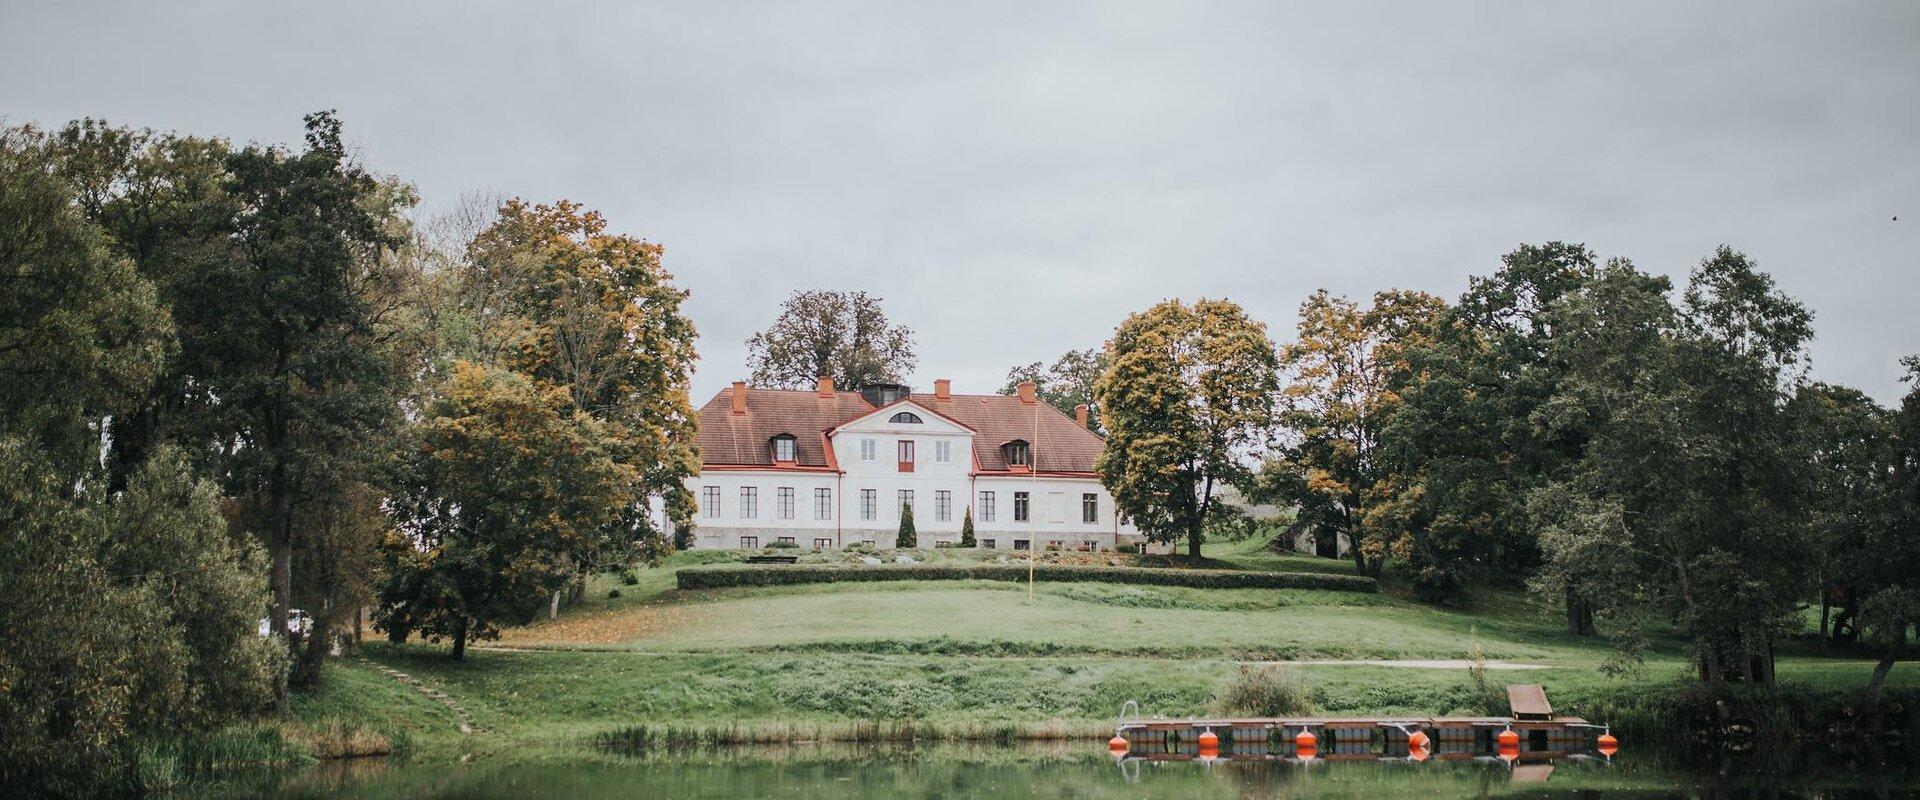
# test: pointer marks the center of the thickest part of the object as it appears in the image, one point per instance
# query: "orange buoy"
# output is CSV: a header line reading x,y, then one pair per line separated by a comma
x,y
1608,745
1509,739
1117,745
1209,740
1417,740
1509,752
1417,753
1305,744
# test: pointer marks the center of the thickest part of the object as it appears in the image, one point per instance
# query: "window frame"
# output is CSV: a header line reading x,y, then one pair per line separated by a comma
x,y
710,502
749,502
755,542
783,502
903,500
988,505
869,504
790,444
942,505
910,419
822,503
942,451
1022,507
869,449
1089,508
904,449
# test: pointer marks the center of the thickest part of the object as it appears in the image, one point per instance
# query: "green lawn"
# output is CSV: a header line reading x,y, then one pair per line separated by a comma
x,y
967,658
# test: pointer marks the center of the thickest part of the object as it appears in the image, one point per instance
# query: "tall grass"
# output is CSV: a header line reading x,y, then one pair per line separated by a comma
x,y
638,739
1266,690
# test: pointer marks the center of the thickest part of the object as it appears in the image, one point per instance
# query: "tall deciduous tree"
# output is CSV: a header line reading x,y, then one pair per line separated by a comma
x,y
598,315
1890,584
1065,385
1342,371
1187,395
825,334
1685,503
1849,441
1463,442
498,489
296,364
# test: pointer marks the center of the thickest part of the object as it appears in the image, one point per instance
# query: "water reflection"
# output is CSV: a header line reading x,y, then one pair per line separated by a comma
x,y
1079,770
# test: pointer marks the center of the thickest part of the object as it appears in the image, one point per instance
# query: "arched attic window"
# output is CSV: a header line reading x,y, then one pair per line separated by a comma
x,y
907,417
1018,453
783,449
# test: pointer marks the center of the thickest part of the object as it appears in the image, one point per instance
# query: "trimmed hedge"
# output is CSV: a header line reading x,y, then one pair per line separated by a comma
x,y
786,574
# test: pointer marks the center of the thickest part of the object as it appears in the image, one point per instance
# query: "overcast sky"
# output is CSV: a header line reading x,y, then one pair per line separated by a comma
x,y
1015,179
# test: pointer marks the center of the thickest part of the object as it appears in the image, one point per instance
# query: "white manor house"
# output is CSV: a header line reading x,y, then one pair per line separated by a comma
x,y
829,469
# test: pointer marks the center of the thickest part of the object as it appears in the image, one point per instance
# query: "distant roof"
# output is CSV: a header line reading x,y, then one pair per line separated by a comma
x,y
729,439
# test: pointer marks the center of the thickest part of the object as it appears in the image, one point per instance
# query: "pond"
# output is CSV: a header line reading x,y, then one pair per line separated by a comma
x,y
1081,771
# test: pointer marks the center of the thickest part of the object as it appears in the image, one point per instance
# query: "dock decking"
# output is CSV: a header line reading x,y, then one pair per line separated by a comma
x,y
1355,738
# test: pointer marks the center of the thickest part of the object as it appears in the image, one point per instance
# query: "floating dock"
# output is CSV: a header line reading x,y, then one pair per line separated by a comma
x,y
1537,734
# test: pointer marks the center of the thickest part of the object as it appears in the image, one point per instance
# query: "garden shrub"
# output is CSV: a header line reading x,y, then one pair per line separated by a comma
x,y
788,574
1265,690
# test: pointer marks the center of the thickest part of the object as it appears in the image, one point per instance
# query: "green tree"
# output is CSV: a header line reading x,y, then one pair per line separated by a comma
x,y
1849,441
1188,392
1890,588
966,529
597,314
1341,371
1065,385
825,334
907,536
499,486
1684,504
1462,443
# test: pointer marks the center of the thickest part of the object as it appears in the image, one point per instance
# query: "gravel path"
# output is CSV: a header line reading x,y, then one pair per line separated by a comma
x,y
1412,663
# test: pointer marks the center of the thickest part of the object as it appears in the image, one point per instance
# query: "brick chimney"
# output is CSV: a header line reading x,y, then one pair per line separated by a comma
x,y
942,389
1080,414
1028,393
739,397
826,386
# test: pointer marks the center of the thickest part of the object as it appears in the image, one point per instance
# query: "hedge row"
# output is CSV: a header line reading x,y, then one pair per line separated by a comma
x,y
785,574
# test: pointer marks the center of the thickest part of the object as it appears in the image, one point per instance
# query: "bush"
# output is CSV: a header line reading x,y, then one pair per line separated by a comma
x,y
966,530
779,545
629,578
613,594
1265,690
788,574
1127,548
908,537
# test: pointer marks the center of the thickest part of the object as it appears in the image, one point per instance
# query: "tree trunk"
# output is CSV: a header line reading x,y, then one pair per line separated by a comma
x,y
1885,666
553,608
1579,616
460,640
1826,609
306,669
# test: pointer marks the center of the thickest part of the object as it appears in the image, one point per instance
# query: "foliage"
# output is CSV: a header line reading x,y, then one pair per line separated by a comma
x,y
502,487
597,314
907,536
1188,390
1462,447
1339,398
1067,384
966,529
1266,690
825,334
787,574
1685,502
1890,588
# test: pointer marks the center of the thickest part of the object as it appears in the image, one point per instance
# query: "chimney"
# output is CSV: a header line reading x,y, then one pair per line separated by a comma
x,y
739,397
826,386
1080,414
1027,392
942,389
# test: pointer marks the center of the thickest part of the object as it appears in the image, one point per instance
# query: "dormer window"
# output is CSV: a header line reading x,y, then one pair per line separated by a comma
x,y
905,417
1019,454
783,450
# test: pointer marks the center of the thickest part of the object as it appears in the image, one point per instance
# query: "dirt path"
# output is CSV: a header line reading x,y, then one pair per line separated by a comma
x,y
466,720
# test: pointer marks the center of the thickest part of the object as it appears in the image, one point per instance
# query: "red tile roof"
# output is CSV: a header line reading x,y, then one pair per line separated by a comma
x,y
741,440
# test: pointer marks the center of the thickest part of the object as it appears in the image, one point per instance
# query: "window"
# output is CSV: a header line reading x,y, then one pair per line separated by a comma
x,y
867,449
1089,547
987,544
783,448
823,504
783,540
906,455
942,451
749,502
943,505
1089,508
823,544
1018,453
749,542
905,499
867,543
710,501
1020,544
784,502
869,503
906,417
986,506
1020,506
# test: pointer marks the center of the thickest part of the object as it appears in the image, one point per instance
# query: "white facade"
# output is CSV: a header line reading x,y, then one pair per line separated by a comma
x,y
879,461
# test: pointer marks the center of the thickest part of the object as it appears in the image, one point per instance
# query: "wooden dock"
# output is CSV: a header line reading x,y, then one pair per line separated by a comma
x,y
1541,734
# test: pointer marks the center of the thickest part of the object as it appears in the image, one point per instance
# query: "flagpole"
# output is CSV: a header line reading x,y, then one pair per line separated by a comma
x,y
1033,500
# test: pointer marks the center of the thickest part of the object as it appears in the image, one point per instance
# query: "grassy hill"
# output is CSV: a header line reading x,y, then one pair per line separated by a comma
x,y
971,659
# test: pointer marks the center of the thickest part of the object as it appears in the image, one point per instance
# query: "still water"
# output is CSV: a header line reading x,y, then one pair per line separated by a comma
x,y
1079,772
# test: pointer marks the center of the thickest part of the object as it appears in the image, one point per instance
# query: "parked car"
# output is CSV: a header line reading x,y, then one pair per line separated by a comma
x,y
298,623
